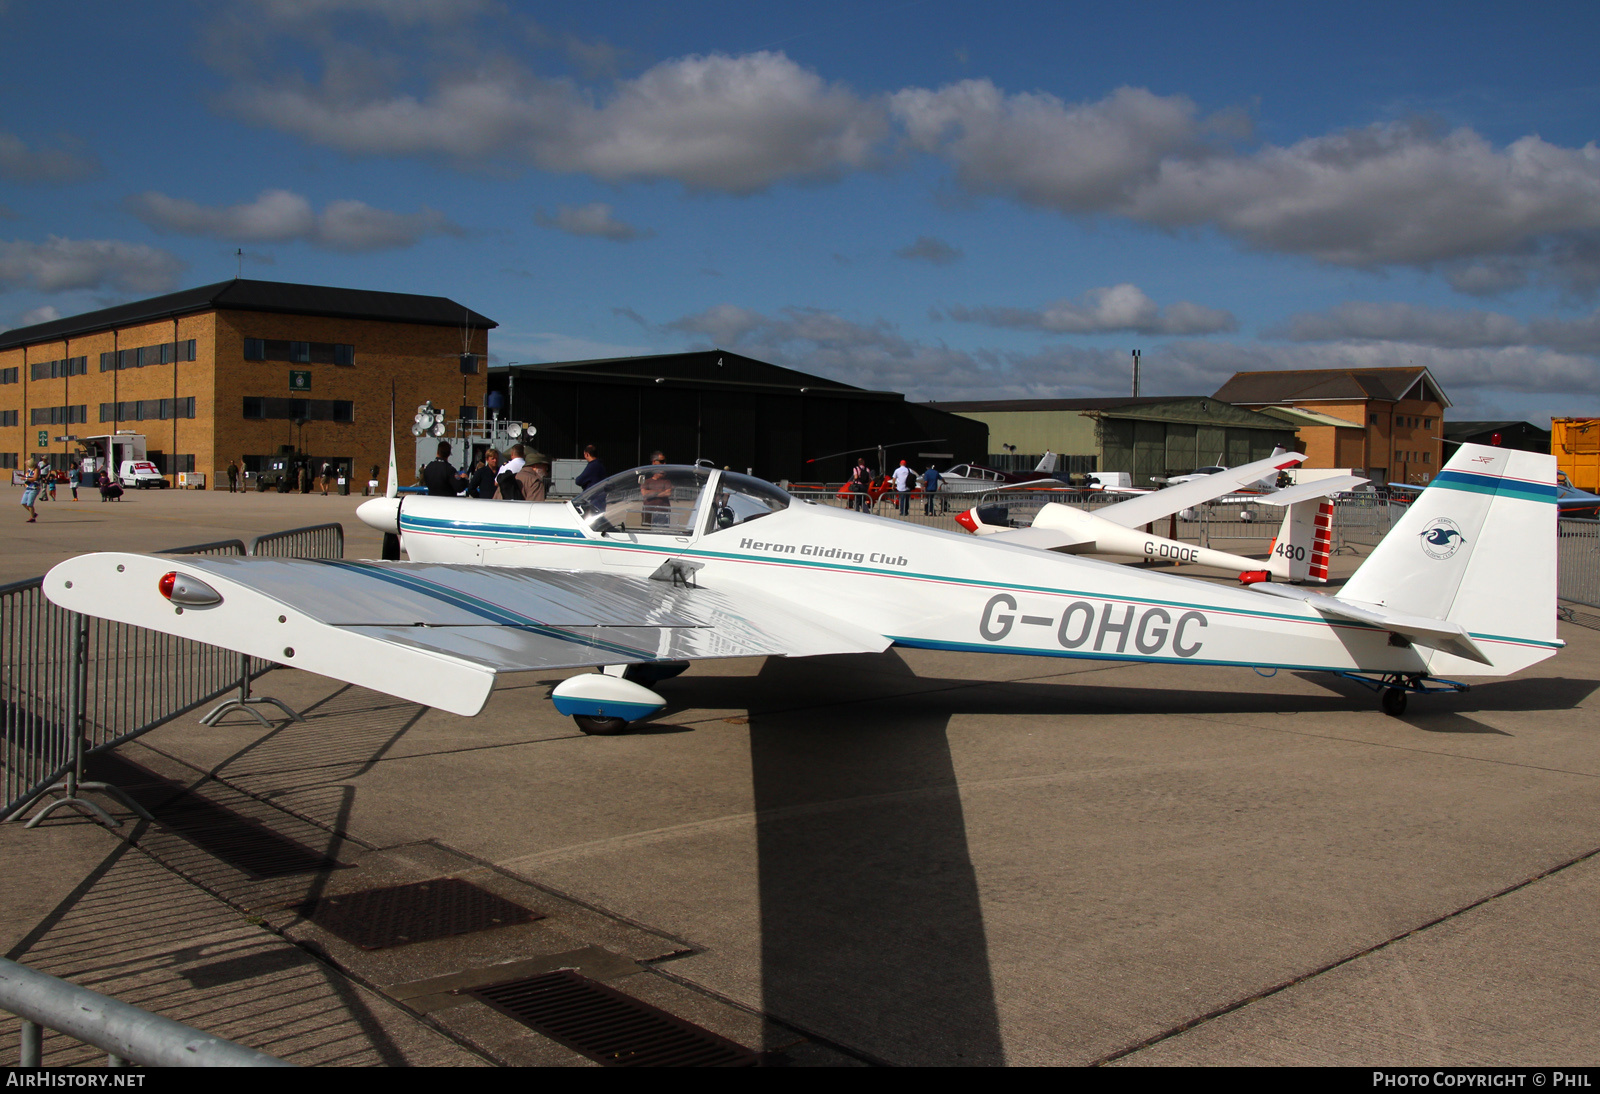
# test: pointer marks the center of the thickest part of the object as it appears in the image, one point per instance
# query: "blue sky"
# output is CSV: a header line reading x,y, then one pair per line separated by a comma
x,y
951,199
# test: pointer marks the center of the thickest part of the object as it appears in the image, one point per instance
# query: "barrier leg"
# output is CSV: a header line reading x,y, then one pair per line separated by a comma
x,y
246,702
32,1044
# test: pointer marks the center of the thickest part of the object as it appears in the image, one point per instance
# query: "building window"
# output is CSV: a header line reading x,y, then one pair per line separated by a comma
x,y
1374,420
8,460
300,353
51,370
10,375
9,417
170,465
59,415
148,410
257,407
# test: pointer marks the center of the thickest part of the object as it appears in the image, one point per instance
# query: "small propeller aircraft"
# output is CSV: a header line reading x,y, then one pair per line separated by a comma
x,y
1299,554
658,567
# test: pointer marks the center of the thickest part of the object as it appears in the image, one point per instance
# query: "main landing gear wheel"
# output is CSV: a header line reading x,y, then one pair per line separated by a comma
x,y
600,727
1394,702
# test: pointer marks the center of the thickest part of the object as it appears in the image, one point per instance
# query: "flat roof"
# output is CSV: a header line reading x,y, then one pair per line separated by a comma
x,y
241,294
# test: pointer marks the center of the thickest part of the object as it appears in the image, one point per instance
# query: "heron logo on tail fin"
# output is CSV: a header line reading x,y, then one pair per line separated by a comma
x,y
1441,538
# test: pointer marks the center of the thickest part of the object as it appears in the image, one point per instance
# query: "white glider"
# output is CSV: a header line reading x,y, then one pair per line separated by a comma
x,y
639,580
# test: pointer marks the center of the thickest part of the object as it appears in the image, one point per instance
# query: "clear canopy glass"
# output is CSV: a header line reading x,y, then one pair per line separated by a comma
x,y
663,499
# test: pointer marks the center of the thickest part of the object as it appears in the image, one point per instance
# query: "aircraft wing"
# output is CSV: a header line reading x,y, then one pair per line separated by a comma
x,y
1043,539
438,634
1163,503
1309,491
1434,633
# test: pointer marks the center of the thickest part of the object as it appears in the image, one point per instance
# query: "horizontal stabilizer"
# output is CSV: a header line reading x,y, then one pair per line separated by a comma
x,y
1163,503
1308,491
1437,634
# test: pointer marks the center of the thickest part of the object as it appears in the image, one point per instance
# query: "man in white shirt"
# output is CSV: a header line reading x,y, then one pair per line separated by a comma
x,y
902,486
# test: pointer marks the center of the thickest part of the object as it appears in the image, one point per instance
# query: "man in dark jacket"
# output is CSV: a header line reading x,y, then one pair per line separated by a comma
x,y
482,484
594,472
439,477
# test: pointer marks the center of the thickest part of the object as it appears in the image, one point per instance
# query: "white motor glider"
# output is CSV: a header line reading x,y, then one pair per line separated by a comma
x,y
658,567
1300,553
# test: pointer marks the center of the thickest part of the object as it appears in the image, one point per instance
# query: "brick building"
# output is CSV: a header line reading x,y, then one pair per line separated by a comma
x,y
252,369
1386,423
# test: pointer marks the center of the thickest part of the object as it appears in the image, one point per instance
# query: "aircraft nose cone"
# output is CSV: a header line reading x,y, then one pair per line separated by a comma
x,y
380,513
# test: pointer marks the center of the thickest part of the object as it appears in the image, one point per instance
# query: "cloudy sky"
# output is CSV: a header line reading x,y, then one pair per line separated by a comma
x,y
948,198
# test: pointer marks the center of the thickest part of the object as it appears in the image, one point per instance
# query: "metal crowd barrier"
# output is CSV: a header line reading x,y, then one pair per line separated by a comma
x,y
129,1035
312,541
72,685
1578,578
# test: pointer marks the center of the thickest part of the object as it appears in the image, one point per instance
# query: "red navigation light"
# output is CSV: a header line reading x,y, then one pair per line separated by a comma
x,y
1252,577
1495,440
188,592
967,521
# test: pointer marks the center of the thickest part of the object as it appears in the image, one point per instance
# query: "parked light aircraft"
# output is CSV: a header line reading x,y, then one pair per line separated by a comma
x,y
639,582
1299,554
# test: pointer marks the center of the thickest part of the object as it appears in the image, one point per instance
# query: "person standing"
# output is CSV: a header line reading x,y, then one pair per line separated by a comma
x,y
930,487
439,476
481,485
655,493
73,478
594,472
507,486
534,476
860,481
49,474
233,477
30,493
902,486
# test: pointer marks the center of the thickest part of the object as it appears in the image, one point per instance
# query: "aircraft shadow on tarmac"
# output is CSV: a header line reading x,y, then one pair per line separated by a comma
x,y
871,923
871,927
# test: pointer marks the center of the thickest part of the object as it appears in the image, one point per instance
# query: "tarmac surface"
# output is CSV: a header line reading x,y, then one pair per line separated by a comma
x,y
908,858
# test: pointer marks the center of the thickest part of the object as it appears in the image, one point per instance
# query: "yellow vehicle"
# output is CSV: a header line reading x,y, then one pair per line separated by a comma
x,y
1575,443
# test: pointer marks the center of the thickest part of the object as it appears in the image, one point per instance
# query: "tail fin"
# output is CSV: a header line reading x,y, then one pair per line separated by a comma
x,y
1304,543
1047,462
1477,548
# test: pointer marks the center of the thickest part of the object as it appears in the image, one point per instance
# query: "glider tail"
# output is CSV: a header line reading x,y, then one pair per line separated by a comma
x,y
1476,548
1305,541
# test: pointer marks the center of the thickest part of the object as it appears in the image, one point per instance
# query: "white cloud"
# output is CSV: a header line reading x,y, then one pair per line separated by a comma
x,y
733,124
279,216
439,79
928,249
60,264
594,219
874,354
1480,371
1085,157
1443,327
1393,194
45,313
19,163
1122,307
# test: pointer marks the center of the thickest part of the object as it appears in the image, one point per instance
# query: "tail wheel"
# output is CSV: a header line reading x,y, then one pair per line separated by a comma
x,y
600,727
1394,702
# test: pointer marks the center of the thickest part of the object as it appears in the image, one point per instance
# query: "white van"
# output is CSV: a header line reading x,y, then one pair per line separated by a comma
x,y
140,473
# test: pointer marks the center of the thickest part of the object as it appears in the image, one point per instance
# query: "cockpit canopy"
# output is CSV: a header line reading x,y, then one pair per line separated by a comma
x,y
671,500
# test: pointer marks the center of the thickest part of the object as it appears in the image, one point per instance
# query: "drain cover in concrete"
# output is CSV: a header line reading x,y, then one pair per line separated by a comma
x,y
377,918
609,1027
